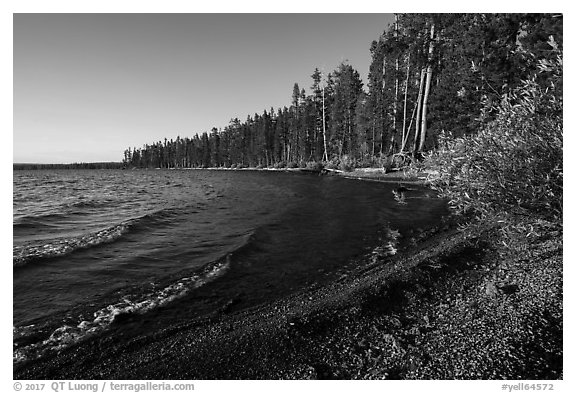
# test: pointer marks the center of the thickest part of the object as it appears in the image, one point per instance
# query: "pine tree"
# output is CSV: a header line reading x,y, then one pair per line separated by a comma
x,y
347,88
430,72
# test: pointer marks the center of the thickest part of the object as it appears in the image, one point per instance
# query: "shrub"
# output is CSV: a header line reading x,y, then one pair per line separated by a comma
x,y
368,162
386,163
515,160
347,164
314,166
333,164
400,160
291,165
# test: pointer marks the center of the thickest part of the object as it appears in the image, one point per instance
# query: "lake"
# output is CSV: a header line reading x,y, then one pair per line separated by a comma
x,y
93,248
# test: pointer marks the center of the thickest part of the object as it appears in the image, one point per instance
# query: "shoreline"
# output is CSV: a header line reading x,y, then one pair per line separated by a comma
x,y
365,174
454,305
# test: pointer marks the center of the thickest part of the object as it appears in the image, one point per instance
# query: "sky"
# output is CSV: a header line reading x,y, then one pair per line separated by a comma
x,y
88,86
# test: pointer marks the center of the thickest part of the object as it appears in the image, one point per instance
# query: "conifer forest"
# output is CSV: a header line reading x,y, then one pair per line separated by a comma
x,y
431,75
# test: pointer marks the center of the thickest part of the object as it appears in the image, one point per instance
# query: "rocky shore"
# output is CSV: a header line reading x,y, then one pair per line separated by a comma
x,y
454,303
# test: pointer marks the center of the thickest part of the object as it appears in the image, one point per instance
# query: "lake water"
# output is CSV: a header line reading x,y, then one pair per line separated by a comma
x,y
91,248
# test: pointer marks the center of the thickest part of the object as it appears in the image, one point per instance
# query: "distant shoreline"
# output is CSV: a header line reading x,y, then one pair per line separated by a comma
x,y
77,165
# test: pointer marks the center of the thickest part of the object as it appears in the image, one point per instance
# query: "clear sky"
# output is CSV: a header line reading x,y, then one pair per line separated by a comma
x,y
88,86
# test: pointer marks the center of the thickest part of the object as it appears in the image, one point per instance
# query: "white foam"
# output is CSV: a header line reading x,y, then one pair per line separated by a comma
x,y
23,254
67,335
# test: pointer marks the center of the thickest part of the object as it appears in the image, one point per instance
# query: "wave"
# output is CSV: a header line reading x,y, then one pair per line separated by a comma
x,y
44,219
67,335
25,254
66,210
28,222
92,203
22,255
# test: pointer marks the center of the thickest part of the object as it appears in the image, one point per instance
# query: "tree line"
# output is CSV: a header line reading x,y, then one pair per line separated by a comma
x,y
76,165
430,74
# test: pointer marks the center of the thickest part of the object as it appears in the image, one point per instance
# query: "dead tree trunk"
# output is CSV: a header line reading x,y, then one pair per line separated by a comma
x,y
405,101
396,87
426,91
418,112
416,106
325,156
395,110
373,138
383,106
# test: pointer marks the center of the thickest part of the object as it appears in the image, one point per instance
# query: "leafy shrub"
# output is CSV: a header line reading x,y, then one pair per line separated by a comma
x,y
368,161
314,166
347,164
333,164
515,160
400,160
386,163
415,168
291,165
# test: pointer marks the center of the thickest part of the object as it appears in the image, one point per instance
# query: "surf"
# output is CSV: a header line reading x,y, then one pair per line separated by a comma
x,y
69,334
62,246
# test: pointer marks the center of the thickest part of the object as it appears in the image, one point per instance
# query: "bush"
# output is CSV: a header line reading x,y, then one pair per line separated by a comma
x,y
333,164
347,164
515,160
368,162
291,165
414,169
314,166
400,160
386,163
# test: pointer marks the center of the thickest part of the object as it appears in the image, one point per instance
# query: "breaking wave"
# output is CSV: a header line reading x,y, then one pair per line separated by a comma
x,y
69,334
24,254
